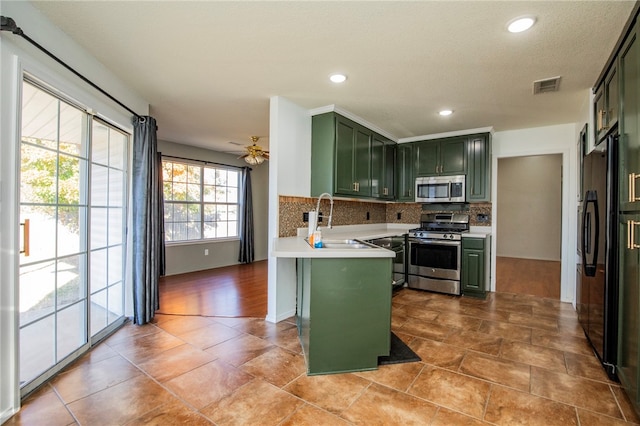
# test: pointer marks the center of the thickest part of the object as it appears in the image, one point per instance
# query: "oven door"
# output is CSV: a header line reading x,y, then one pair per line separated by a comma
x,y
435,258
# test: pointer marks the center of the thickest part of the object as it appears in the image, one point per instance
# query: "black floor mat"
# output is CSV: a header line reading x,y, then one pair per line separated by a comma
x,y
399,353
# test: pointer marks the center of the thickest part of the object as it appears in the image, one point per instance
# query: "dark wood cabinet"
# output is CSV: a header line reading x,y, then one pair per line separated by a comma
x,y
440,157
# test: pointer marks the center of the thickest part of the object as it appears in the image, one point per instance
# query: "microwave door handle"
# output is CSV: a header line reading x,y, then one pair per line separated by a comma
x,y
450,189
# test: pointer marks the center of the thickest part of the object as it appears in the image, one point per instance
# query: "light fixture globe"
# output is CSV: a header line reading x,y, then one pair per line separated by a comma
x,y
338,78
520,24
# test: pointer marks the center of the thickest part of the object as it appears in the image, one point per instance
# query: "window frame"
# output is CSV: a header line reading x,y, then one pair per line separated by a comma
x,y
201,202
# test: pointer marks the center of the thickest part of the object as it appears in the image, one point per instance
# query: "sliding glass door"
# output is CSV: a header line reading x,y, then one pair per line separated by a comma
x,y
72,210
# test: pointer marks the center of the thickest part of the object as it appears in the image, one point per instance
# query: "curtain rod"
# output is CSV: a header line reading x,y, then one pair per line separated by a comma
x,y
8,24
206,162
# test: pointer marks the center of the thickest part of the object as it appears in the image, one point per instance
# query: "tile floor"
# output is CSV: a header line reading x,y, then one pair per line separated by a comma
x,y
510,359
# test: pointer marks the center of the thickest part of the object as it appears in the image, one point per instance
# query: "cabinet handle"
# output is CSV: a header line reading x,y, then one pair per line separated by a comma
x,y
25,237
357,186
632,187
603,118
631,238
354,186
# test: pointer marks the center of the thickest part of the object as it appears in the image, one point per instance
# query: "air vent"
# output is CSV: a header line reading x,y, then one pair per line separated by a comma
x,y
547,85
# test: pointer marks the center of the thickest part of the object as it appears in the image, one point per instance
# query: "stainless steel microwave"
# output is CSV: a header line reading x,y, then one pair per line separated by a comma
x,y
440,189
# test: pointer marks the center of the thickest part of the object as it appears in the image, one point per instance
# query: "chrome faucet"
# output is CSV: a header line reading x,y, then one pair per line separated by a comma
x,y
331,210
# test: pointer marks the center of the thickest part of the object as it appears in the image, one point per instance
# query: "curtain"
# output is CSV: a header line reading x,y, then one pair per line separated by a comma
x,y
246,219
148,220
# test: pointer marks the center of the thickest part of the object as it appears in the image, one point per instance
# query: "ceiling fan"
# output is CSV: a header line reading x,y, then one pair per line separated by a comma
x,y
254,153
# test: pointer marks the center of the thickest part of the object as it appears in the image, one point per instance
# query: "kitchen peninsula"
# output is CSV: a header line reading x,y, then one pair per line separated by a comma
x,y
343,301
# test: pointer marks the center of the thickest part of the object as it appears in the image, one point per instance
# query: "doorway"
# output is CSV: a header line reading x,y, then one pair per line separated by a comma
x,y
529,237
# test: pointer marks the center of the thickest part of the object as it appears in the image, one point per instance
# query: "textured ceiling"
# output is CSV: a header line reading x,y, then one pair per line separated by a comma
x,y
208,68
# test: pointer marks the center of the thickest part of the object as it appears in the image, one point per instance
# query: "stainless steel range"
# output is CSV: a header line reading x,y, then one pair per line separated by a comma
x,y
435,252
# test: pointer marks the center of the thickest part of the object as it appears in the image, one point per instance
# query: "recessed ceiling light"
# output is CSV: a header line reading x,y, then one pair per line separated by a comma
x,y
520,24
445,112
338,78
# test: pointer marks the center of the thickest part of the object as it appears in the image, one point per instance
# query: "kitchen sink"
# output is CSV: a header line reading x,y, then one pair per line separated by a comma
x,y
345,244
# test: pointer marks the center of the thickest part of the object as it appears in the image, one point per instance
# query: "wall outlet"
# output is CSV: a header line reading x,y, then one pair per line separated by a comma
x,y
368,216
305,217
206,252
399,216
319,217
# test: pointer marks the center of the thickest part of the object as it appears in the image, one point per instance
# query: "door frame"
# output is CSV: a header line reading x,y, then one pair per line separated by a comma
x,y
567,272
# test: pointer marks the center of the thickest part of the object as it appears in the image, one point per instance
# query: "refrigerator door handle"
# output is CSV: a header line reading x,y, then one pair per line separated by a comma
x,y
590,267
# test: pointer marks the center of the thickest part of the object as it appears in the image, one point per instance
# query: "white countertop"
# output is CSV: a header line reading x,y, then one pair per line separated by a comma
x,y
297,247
477,232
294,247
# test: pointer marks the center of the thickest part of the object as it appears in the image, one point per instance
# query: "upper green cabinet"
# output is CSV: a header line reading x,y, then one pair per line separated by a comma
x,y
440,157
405,173
478,184
348,159
606,104
383,160
629,122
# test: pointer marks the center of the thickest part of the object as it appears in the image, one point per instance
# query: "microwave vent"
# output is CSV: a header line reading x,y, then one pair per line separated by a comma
x,y
546,85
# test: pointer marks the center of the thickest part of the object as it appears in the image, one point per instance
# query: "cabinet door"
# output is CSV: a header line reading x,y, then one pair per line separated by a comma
x,y
478,169
611,92
345,153
426,155
629,123
452,157
362,162
406,179
377,166
472,271
388,189
629,306
599,118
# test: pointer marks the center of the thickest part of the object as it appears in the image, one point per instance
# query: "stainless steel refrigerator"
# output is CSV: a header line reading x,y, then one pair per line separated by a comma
x,y
597,283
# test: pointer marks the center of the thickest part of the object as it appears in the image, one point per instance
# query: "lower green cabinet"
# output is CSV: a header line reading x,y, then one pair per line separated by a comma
x,y
344,313
475,254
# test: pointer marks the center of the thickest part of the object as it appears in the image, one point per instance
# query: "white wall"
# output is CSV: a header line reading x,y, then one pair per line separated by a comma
x,y
530,206
190,257
560,139
289,174
16,56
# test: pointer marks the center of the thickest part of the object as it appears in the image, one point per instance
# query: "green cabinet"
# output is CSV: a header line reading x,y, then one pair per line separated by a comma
x,y
405,173
475,256
352,160
606,103
627,365
629,123
478,182
383,160
344,310
349,159
440,157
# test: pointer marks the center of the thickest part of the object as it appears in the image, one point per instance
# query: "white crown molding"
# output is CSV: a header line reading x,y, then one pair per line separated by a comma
x,y
360,120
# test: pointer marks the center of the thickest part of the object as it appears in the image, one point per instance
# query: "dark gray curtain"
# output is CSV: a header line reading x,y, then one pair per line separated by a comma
x,y
246,219
148,220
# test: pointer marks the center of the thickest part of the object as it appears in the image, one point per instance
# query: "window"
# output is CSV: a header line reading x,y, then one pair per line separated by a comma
x,y
200,202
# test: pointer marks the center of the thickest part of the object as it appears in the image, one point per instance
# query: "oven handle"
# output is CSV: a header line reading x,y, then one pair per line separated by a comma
x,y
439,242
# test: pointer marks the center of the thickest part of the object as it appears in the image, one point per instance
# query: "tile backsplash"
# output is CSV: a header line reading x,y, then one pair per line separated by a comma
x,y
354,212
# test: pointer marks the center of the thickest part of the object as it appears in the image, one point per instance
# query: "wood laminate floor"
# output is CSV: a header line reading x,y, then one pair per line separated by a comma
x,y
528,276
231,291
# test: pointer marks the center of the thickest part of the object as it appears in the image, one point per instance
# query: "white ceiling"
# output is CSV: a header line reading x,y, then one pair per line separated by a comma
x,y
208,68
